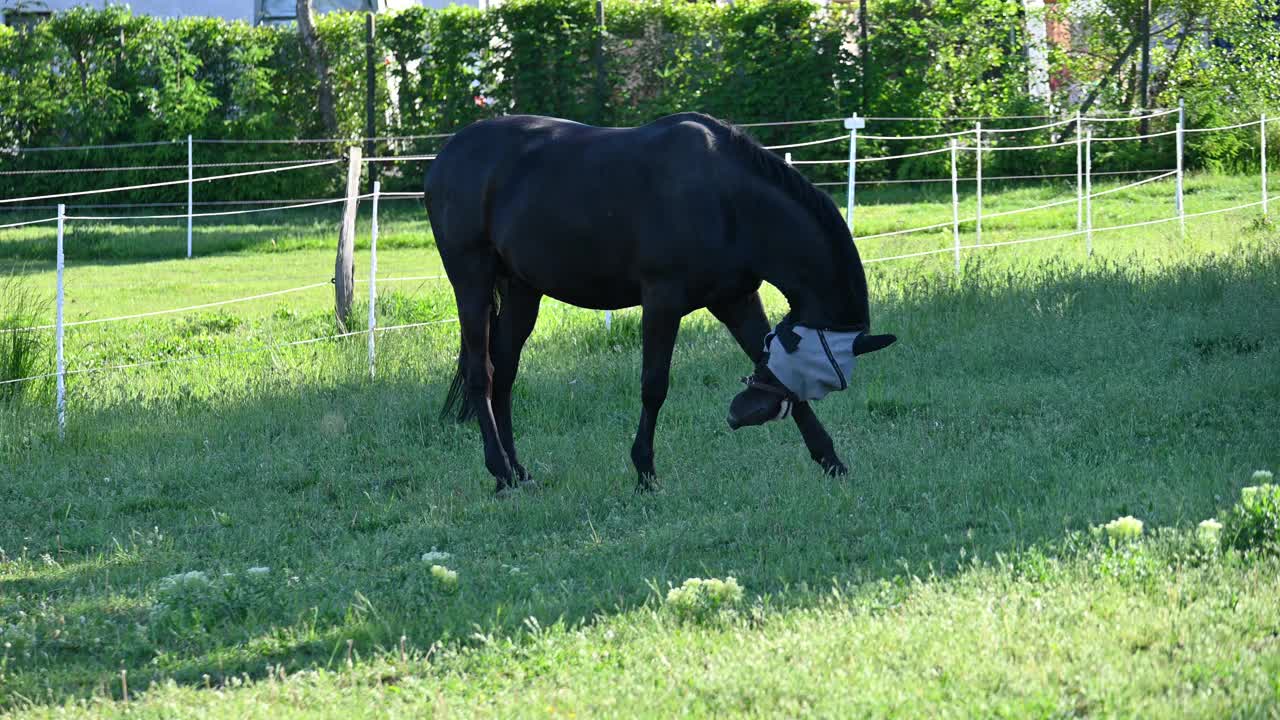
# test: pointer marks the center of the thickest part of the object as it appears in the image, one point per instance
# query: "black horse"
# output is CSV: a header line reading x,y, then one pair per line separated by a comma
x,y
684,213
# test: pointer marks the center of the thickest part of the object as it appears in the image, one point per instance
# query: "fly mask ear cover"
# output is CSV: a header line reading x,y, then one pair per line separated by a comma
x,y
811,362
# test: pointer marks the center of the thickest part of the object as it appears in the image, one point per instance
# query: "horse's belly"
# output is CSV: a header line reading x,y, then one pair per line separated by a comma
x,y
597,302
609,294
579,279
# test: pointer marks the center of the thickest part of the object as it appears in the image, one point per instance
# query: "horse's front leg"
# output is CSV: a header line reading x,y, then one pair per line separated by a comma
x,y
748,323
659,327
821,449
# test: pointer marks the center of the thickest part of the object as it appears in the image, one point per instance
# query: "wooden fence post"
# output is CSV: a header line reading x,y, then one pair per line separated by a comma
x,y
344,272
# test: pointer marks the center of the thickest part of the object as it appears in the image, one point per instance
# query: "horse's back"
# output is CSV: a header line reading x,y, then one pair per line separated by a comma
x,y
583,213
505,149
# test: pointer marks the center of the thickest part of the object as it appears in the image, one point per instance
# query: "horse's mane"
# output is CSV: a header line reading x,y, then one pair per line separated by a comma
x,y
797,187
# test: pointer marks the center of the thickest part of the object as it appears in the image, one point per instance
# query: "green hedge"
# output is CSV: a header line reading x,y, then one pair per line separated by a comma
x,y
90,77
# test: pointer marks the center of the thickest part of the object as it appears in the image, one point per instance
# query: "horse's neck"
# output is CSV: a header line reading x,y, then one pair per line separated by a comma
x,y
812,285
799,258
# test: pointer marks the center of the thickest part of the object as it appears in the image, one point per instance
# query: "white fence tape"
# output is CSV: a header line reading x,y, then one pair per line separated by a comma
x,y
233,353
922,153
1059,236
170,183
935,226
66,148
1102,138
218,303
313,141
784,123
1224,127
987,178
1043,146
217,213
1130,117
145,168
29,222
1030,128
934,136
398,158
838,138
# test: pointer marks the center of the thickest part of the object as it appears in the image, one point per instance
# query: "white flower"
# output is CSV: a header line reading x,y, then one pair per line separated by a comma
x,y
1262,476
435,556
258,570
1208,532
445,578
1125,528
195,577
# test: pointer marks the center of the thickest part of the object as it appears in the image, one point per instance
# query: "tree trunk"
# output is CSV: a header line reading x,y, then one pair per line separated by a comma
x,y
319,64
864,53
1111,71
1145,89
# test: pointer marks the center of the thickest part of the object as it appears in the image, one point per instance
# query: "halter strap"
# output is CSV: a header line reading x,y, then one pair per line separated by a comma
x,y
751,381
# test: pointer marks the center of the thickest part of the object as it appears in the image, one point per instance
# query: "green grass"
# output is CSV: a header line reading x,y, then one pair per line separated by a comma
x,y
950,574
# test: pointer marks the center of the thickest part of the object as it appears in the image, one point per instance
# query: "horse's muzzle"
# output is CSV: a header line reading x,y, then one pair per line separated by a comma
x,y
754,406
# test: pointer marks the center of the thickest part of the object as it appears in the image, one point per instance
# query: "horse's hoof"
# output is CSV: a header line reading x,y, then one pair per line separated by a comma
x,y
833,467
646,484
523,477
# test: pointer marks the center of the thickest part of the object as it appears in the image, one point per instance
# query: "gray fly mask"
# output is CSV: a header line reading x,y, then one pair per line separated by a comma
x,y
805,364
815,364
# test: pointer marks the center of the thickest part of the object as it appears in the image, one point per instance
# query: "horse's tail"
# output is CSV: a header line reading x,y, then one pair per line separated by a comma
x,y
456,403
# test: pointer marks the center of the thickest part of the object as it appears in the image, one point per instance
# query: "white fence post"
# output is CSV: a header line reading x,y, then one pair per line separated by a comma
x,y
955,207
373,273
977,131
1182,220
1181,136
190,190
1079,173
58,332
853,124
608,320
1262,130
1088,192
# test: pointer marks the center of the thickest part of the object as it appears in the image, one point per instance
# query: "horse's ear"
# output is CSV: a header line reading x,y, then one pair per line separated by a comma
x,y
870,343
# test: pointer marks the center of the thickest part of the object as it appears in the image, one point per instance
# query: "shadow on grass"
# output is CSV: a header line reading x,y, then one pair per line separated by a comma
x,y
1018,406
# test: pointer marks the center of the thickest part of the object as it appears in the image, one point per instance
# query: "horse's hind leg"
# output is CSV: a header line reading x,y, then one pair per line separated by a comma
x,y
516,318
473,276
748,323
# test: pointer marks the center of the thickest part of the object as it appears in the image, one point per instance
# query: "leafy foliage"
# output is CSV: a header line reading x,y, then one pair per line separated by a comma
x,y
702,600
93,76
1254,522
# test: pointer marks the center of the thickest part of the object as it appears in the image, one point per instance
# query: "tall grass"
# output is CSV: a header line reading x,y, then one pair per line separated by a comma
x,y
23,352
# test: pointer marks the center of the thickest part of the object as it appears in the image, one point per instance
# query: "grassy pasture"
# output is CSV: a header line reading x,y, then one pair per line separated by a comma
x,y
951,574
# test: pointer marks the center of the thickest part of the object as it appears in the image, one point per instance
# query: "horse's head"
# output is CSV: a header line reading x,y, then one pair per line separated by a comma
x,y
804,368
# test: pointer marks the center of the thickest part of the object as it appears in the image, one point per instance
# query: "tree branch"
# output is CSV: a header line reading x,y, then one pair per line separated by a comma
x,y
319,64
1111,71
